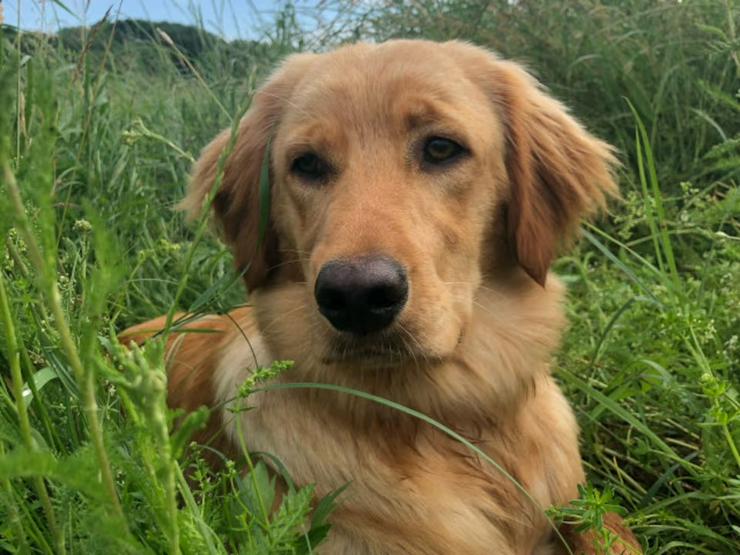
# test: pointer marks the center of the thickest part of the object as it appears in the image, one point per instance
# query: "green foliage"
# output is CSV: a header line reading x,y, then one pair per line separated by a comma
x,y
588,512
98,130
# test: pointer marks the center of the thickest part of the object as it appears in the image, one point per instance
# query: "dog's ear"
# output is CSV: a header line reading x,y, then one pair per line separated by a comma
x,y
234,164
558,173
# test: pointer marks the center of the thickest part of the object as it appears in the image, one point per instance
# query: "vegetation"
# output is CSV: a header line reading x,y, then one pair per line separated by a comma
x,y
98,129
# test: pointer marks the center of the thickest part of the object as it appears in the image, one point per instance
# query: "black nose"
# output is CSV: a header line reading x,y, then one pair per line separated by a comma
x,y
361,295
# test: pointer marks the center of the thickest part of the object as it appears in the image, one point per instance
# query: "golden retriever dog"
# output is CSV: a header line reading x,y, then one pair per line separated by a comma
x,y
419,192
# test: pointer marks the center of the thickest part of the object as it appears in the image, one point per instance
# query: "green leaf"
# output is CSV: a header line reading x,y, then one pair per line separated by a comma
x,y
74,472
190,424
325,507
40,379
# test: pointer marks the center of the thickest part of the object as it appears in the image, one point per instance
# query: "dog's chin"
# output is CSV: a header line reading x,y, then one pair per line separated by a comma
x,y
371,352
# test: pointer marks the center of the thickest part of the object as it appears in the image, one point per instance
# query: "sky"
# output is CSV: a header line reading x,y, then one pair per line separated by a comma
x,y
229,18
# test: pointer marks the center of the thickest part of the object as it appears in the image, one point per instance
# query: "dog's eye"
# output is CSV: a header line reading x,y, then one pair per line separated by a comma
x,y
310,166
438,150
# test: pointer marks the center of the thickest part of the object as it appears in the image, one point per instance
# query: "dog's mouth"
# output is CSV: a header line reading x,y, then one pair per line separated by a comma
x,y
373,351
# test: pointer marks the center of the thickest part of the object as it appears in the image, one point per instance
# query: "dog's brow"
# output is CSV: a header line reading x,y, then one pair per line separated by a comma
x,y
289,102
313,135
424,114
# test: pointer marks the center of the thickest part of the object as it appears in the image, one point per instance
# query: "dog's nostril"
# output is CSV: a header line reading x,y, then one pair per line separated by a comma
x,y
384,296
361,295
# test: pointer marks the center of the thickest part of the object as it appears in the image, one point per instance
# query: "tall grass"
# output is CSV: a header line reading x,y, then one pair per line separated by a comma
x,y
96,138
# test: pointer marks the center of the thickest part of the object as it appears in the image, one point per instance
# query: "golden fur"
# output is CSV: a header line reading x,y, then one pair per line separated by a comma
x,y
472,346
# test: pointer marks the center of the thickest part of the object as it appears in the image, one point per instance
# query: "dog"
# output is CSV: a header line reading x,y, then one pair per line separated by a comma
x,y
419,193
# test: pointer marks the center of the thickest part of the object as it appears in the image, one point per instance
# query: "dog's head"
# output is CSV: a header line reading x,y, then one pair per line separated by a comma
x,y
403,176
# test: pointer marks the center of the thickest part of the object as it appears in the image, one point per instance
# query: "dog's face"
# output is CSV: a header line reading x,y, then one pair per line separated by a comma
x,y
402,176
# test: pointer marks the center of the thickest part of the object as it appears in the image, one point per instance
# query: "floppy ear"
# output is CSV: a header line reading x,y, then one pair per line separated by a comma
x,y
558,173
235,165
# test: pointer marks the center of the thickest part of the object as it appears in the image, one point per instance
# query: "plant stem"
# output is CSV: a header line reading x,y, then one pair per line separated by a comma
x,y
13,514
83,376
206,533
14,357
731,443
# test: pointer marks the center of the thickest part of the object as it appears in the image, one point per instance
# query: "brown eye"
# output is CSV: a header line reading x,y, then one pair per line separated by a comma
x,y
310,166
438,150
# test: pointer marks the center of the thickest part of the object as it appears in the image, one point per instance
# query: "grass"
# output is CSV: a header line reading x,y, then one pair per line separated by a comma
x,y
96,140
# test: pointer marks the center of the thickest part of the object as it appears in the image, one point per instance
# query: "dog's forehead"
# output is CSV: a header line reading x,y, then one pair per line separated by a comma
x,y
400,81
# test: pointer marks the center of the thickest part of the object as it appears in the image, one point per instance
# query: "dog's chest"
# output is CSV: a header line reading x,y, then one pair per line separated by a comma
x,y
410,488
413,492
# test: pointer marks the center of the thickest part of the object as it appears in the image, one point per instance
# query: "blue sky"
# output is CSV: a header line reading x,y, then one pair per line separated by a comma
x,y
230,18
